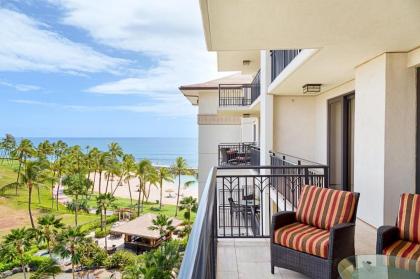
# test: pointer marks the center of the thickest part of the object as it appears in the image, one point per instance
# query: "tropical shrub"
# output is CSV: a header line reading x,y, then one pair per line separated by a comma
x,y
101,233
92,255
162,263
120,259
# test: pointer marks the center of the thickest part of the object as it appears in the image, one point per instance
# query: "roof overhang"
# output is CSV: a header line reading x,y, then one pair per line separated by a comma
x,y
339,34
233,25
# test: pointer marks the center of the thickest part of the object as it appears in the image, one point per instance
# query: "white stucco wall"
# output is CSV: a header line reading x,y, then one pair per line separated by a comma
x,y
208,102
384,136
400,133
300,123
370,140
295,126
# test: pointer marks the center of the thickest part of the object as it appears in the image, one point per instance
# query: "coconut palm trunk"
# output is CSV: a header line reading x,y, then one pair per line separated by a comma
x,y
129,190
100,181
18,175
29,205
58,190
76,208
161,193
177,197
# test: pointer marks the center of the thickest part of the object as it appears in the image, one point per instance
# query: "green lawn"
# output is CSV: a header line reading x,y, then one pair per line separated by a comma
x,y
18,204
168,210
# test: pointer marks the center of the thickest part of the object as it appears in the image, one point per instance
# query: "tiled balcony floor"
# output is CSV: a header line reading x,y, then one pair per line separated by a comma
x,y
250,258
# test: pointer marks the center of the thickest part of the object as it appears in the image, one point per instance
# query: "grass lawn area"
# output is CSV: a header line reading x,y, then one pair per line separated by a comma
x,y
149,207
16,207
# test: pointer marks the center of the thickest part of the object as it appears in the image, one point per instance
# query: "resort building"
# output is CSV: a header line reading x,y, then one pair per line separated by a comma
x,y
328,95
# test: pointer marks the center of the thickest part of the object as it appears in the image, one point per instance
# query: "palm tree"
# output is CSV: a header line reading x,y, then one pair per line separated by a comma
x,y
142,171
189,204
22,152
153,179
58,165
32,175
102,164
69,242
47,230
45,149
163,175
115,152
76,185
179,168
7,144
15,245
163,224
104,201
92,159
128,166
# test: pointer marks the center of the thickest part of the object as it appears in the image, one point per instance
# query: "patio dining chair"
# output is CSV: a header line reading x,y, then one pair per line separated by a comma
x,y
315,238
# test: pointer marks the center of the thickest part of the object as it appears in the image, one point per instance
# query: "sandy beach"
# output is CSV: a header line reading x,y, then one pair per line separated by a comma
x,y
169,189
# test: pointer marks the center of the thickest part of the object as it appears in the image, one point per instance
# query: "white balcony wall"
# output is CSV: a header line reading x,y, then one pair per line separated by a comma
x,y
385,136
300,123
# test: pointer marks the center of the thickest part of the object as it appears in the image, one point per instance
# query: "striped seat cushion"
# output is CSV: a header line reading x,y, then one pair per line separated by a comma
x,y
303,238
324,208
408,220
407,250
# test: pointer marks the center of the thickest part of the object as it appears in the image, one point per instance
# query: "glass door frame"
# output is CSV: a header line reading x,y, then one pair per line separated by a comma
x,y
345,101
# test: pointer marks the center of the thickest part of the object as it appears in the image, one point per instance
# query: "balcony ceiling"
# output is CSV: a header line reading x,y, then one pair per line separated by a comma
x,y
234,61
347,33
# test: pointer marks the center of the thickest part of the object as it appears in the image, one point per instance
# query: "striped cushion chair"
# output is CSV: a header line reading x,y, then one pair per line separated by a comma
x,y
318,235
403,240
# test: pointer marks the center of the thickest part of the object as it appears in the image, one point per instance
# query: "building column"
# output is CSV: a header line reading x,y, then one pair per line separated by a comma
x,y
266,130
385,133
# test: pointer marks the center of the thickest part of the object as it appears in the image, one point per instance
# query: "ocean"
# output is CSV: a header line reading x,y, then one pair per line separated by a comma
x,y
161,151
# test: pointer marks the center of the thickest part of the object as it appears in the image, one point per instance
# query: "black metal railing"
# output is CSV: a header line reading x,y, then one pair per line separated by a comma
x,y
238,154
242,198
200,257
280,59
238,202
255,87
234,95
239,94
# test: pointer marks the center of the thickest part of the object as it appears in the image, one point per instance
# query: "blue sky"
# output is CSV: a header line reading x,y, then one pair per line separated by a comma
x,y
72,68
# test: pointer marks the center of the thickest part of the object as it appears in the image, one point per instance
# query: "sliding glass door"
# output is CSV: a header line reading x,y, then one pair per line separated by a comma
x,y
341,112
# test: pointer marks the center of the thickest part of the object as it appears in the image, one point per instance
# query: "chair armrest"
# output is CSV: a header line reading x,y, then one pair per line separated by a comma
x,y
341,241
386,235
281,219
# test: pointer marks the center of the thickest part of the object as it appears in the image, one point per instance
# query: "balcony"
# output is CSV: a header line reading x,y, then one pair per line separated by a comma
x,y
239,154
239,95
280,59
230,237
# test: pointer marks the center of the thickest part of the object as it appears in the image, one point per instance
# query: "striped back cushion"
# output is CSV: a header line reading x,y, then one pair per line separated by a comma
x,y
324,208
408,220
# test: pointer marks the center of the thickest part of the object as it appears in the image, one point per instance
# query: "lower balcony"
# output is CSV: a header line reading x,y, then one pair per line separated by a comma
x,y
239,154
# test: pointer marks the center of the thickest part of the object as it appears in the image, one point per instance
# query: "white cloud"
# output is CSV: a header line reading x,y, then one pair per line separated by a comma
x,y
27,44
20,87
168,31
169,108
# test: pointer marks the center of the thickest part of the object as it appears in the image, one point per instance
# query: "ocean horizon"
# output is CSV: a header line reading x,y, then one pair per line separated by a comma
x,y
159,150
